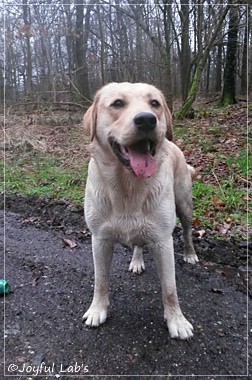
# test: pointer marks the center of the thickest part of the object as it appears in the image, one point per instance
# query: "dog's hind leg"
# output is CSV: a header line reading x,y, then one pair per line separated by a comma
x,y
189,251
184,207
137,261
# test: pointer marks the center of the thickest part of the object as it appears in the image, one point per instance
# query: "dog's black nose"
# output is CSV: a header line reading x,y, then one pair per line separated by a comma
x,y
145,121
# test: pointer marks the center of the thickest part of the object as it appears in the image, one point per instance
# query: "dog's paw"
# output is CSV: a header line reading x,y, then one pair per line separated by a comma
x,y
191,258
136,266
180,328
95,316
137,261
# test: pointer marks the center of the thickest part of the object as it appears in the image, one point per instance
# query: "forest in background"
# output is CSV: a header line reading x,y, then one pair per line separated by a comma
x,y
56,55
63,51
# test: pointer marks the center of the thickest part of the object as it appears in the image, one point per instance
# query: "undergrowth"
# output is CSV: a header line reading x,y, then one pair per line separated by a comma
x,y
216,148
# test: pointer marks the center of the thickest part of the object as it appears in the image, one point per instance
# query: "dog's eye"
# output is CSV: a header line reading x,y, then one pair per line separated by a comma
x,y
155,103
118,103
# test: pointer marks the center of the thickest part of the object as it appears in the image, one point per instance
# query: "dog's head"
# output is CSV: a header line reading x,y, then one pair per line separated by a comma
x,y
132,119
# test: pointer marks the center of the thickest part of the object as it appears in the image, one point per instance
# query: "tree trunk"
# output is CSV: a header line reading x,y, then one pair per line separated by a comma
x,y
218,74
187,104
28,60
208,74
228,93
102,63
122,38
81,49
1,85
69,43
166,55
244,68
185,56
163,51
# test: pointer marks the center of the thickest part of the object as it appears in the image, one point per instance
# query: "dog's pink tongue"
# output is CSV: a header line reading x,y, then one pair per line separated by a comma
x,y
143,164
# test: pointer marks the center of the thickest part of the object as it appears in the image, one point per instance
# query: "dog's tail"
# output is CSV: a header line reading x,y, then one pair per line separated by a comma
x,y
192,171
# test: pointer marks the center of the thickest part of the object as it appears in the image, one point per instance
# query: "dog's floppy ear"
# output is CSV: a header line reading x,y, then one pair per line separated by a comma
x,y
168,117
90,117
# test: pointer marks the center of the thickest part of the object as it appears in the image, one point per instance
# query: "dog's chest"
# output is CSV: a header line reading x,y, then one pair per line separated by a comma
x,y
136,217
138,227
130,229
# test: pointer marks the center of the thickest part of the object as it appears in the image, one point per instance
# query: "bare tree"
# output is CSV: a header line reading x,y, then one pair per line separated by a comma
x,y
64,51
218,70
244,68
185,53
228,93
186,106
81,38
163,48
166,53
28,57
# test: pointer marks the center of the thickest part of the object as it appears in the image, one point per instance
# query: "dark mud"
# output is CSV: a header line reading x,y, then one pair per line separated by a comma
x,y
52,285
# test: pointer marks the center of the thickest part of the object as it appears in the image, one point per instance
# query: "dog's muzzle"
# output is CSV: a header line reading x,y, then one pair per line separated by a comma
x,y
145,122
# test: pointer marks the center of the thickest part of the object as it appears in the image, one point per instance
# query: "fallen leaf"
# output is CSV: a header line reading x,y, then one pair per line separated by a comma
x,y
30,220
35,280
196,222
223,228
218,203
208,264
199,234
70,243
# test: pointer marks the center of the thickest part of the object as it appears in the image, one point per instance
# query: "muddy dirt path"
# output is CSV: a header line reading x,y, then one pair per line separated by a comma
x,y
52,285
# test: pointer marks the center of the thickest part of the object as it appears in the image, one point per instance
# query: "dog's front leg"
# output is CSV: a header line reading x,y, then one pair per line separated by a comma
x,y
102,255
163,255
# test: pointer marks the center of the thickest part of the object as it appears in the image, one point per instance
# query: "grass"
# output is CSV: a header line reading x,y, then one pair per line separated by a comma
x,y
43,176
217,204
241,163
226,200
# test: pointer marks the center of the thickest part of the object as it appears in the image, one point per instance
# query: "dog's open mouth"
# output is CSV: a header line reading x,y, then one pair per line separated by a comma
x,y
138,157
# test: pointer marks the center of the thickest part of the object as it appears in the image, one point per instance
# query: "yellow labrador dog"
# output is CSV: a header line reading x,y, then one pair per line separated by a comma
x,y
137,181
